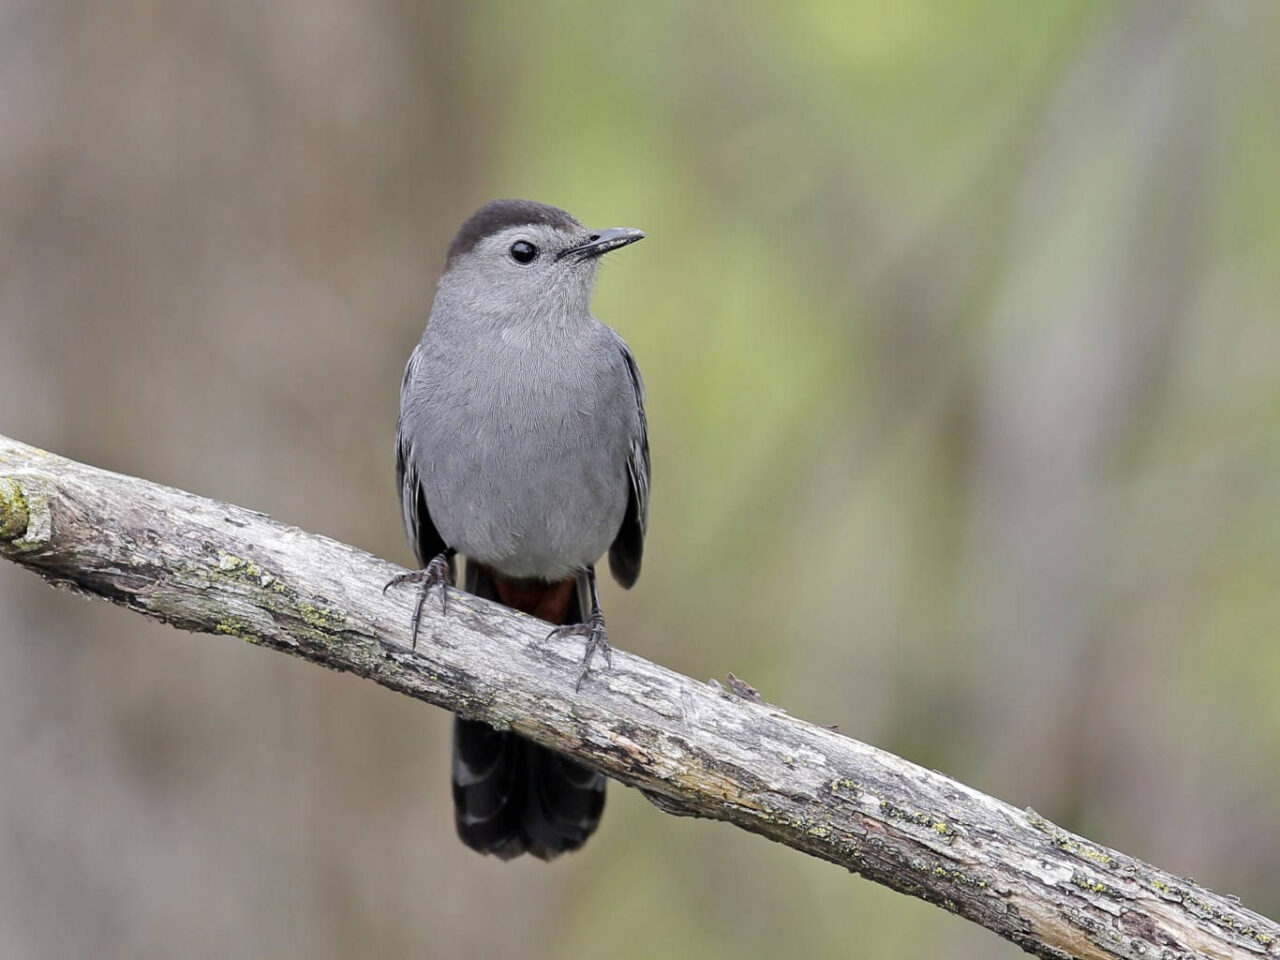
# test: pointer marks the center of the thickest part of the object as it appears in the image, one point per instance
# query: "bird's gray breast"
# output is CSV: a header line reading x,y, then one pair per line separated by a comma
x,y
520,439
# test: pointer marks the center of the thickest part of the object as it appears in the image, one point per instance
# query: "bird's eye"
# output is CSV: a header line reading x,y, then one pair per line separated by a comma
x,y
522,251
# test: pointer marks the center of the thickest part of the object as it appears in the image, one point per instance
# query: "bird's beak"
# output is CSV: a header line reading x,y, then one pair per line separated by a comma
x,y
602,241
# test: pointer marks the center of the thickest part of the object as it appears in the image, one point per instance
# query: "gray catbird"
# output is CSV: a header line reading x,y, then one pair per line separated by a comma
x,y
522,444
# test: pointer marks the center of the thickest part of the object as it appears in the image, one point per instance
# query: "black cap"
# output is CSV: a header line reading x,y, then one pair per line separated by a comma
x,y
499,215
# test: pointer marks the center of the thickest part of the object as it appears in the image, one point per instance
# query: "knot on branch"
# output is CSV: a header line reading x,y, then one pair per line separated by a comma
x,y
25,520
13,510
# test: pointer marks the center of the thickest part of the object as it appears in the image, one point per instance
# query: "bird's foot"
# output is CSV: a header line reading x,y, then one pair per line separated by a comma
x,y
439,573
597,640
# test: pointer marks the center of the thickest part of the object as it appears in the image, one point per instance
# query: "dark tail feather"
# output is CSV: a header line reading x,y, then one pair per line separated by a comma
x,y
511,796
485,784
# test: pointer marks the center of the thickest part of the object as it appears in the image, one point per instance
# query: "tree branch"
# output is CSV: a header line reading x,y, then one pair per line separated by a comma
x,y
695,748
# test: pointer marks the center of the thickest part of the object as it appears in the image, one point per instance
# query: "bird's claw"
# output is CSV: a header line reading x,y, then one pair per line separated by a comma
x,y
436,573
597,640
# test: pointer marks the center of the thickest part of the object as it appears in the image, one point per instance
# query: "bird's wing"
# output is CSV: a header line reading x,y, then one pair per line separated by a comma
x,y
628,545
422,533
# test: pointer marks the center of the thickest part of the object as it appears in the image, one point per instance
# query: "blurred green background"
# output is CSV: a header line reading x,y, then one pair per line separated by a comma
x,y
959,324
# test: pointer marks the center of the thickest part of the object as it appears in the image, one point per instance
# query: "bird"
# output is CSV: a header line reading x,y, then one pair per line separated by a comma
x,y
522,445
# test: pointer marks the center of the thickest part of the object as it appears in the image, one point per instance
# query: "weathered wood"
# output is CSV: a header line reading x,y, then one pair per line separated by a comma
x,y
695,748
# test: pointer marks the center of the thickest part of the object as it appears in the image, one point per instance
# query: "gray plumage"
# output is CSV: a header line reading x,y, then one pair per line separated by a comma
x,y
522,444
521,416
523,441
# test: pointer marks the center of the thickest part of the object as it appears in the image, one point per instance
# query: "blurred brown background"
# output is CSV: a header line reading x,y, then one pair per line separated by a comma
x,y
959,323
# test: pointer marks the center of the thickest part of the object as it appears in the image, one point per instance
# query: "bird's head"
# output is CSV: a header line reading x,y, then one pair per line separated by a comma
x,y
524,261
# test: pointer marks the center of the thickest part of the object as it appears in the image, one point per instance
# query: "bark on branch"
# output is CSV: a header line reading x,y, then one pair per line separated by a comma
x,y
695,748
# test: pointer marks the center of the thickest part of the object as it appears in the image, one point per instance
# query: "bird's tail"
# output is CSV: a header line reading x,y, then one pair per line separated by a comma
x,y
511,796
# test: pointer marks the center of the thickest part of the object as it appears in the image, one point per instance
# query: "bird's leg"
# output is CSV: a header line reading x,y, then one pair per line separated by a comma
x,y
593,630
438,572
